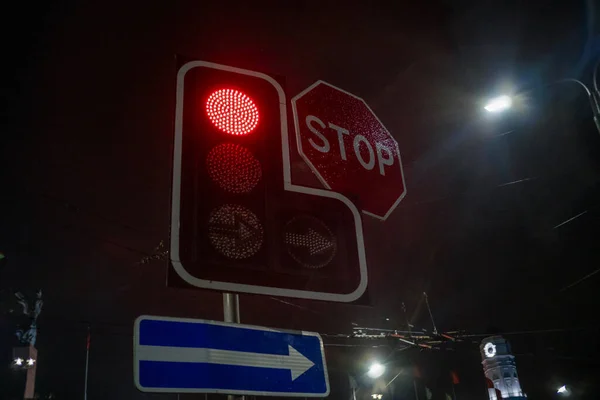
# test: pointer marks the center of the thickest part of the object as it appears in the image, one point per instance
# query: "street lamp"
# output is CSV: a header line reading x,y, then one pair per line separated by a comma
x,y
498,104
376,370
562,390
504,102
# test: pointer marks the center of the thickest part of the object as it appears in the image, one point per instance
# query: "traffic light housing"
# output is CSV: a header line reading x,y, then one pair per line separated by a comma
x,y
238,223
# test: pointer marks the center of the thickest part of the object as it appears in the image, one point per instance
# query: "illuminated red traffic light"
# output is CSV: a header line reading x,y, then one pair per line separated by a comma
x,y
232,111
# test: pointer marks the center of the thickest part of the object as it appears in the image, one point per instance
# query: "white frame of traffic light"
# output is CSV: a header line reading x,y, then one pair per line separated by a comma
x,y
287,184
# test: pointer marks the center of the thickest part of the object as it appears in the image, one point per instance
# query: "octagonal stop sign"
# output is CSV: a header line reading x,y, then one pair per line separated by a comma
x,y
348,148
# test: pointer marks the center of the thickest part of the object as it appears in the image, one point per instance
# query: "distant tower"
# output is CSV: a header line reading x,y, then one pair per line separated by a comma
x,y
500,369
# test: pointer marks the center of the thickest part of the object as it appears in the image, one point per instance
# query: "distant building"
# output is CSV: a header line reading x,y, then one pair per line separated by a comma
x,y
500,369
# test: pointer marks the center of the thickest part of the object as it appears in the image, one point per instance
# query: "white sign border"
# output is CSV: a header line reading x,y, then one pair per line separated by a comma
x,y
288,186
136,371
316,171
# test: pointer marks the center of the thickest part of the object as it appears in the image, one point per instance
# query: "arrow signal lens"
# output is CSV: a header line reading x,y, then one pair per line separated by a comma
x,y
232,111
310,242
235,231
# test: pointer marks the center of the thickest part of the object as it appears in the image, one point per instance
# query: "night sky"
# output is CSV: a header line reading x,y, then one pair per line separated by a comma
x,y
85,169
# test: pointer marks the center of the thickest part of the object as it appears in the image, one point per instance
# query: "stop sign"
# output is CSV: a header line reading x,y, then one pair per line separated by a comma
x,y
348,148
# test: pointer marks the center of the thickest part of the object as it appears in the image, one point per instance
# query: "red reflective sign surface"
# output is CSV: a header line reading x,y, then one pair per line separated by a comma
x,y
348,148
232,111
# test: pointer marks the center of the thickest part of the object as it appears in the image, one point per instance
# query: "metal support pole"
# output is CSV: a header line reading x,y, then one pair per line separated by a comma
x,y
87,363
435,331
406,319
416,391
231,308
231,313
30,383
30,373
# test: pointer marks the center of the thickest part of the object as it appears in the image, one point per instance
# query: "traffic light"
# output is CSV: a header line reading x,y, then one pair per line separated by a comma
x,y
238,223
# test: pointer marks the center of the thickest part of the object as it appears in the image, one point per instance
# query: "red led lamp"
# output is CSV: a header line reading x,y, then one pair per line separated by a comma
x,y
232,111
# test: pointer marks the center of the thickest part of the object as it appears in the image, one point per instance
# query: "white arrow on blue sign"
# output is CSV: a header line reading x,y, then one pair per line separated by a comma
x,y
196,356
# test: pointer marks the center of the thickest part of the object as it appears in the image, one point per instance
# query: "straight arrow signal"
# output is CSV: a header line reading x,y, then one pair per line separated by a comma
x,y
294,361
316,242
240,229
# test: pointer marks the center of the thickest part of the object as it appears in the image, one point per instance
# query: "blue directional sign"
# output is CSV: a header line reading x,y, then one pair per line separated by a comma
x,y
195,356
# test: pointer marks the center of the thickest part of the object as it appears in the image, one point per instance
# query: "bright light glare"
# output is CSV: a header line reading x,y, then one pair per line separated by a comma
x,y
30,362
562,389
489,349
18,361
232,111
376,370
498,104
